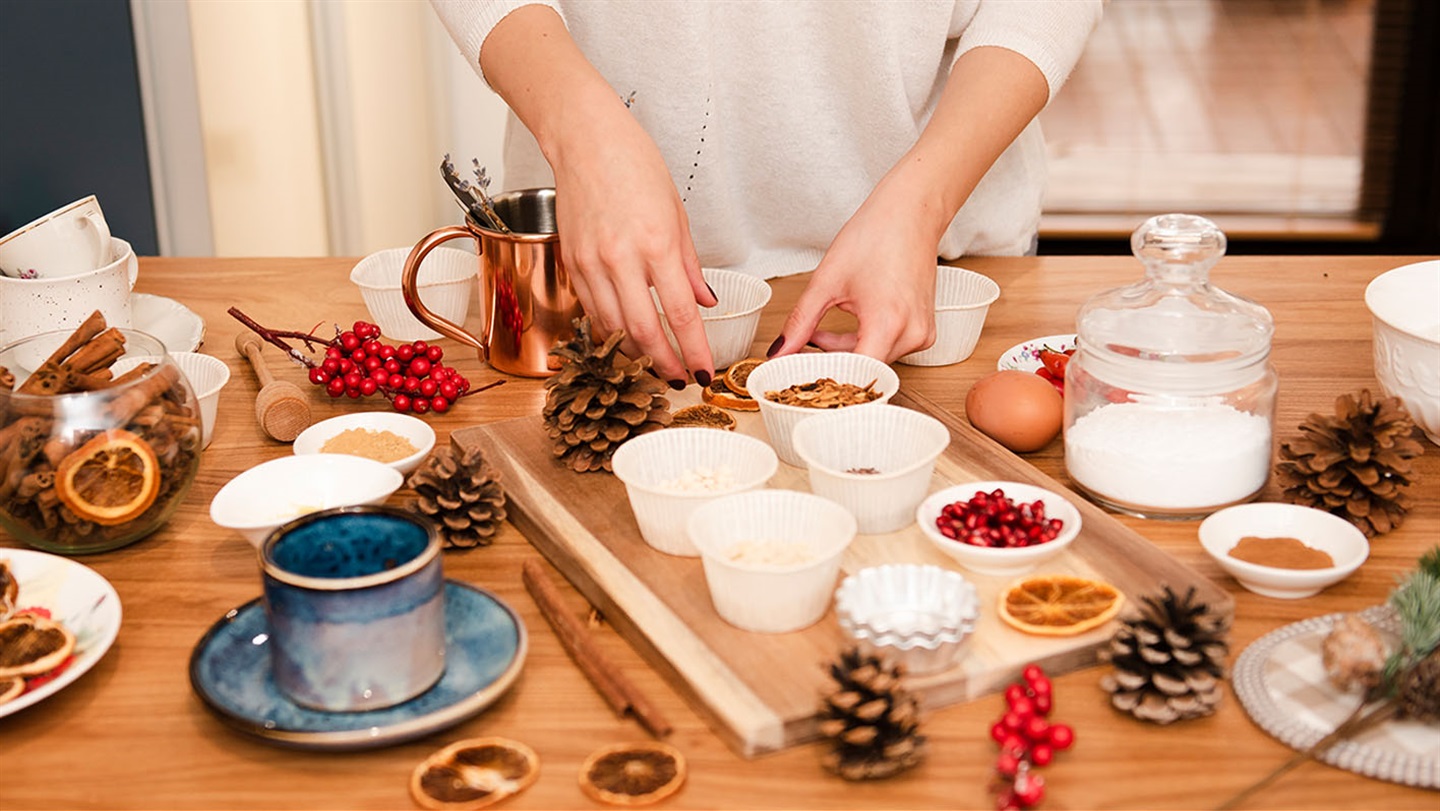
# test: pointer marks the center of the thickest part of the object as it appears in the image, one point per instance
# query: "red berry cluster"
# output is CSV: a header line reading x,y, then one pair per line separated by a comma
x,y
994,520
1027,740
410,375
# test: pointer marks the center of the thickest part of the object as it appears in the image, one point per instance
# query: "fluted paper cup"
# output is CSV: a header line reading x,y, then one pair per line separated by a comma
x,y
874,462
446,285
669,474
921,616
771,557
962,300
207,375
781,373
729,325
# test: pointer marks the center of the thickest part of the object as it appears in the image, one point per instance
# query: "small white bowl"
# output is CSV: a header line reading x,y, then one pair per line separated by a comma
x,y
413,429
267,495
669,473
771,556
1317,529
1405,307
962,300
900,444
807,367
207,375
730,325
445,283
918,615
986,560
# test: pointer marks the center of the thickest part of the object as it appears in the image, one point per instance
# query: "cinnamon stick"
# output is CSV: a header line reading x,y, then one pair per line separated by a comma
x,y
619,692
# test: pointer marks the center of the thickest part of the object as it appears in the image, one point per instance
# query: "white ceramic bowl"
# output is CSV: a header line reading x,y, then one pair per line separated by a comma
x,y
1317,529
670,473
807,367
729,325
207,375
962,300
920,616
771,556
986,560
445,282
413,429
267,495
1405,306
899,444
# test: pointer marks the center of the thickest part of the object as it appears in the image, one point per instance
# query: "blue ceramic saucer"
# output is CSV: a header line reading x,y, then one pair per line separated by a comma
x,y
485,649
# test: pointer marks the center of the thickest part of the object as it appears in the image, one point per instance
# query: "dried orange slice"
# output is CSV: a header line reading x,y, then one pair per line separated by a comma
x,y
11,687
1059,605
739,374
702,415
9,591
718,394
474,773
31,646
633,773
109,480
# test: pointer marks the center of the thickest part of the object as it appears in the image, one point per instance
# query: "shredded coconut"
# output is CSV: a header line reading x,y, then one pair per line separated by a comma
x,y
769,553
701,479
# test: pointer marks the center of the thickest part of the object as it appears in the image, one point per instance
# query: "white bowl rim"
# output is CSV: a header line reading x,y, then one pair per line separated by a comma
x,y
802,450
769,294
847,520
926,512
887,376
389,287
1212,543
308,441
374,471
992,293
771,463
1372,293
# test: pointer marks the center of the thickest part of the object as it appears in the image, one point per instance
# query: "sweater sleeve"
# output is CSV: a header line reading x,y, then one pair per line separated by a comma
x,y
1051,34
471,21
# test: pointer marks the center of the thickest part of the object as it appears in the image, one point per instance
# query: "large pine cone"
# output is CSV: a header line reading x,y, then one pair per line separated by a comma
x,y
871,721
461,492
1168,661
599,399
1355,464
1420,690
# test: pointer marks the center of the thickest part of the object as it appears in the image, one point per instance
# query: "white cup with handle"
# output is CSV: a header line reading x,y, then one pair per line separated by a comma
x,y
68,241
32,306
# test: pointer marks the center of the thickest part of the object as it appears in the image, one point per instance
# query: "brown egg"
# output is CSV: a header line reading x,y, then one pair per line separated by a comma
x,y
1020,410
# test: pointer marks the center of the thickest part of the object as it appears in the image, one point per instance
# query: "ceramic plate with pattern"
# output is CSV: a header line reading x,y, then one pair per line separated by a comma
x,y
485,650
1026,357
76,596
1280,680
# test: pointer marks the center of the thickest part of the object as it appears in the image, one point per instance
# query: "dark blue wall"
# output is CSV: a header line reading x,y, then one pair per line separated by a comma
x,y
70,118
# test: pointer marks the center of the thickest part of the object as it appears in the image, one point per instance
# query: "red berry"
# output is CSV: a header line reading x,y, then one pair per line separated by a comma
x,y
428,387
318,376
401,402
1007,764
449,390
1013,692
352,380
1061,736
353,394
420,405
1032,673
412,384
349,340
345,365
1023,707
439,404
1005,801
358,356
1029,789
368,386
331,366
396,382
420,347
380,376
405,352
372,363
1013,721
392,366
1043,703
386,351
1036,729
371,347
334,352
435,353
360,327
420,366
1041,754
998,732
335,387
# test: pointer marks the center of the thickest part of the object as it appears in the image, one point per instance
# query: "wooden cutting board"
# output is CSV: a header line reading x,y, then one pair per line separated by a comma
x,y
760,691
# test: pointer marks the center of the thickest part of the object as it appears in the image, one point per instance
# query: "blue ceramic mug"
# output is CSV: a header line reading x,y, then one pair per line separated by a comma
x,y
354,597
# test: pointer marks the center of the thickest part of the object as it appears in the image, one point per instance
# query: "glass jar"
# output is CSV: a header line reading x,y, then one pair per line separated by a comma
x,y
1170,396
90,462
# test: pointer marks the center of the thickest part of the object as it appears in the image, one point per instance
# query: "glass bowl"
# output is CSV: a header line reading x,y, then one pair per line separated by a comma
x,y
105,462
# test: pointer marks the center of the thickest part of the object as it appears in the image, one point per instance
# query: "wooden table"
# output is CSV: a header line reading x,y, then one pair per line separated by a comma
x,y
130,733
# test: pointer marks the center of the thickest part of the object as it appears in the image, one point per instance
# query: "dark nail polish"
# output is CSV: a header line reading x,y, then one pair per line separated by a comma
x,y
676,384
703,378
775,347
712,292
812,344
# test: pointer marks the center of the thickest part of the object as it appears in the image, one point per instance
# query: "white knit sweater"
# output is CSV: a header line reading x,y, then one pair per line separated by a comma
x,y
777,119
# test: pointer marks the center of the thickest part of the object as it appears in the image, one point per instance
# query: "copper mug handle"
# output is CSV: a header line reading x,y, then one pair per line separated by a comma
x,y
410,275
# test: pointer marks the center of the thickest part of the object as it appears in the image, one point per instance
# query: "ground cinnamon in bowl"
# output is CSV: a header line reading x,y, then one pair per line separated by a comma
x,y
1280,553
382,446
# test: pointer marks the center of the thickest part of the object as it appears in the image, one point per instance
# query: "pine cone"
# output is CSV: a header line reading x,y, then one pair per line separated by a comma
x,y
599,399
1420,691
871,721
1168,660
1355,464
461,492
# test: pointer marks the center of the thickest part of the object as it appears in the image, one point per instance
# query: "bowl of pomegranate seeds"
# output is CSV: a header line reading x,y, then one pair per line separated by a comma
x,y
1002,528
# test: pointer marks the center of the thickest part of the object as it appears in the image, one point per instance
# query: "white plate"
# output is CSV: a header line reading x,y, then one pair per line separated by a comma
x,y
167,319
1026,356
76,596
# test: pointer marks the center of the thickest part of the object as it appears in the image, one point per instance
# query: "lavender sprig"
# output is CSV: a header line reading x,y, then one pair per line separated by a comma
x,y
482,183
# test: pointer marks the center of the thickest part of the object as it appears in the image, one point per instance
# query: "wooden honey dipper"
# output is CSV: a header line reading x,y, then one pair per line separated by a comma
x,y
281,407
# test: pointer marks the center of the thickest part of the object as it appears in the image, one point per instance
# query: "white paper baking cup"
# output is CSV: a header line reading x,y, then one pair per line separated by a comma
x,y
445,282
651,464
730,325
807,367
771,597
919,616
901,443
962,300
207,375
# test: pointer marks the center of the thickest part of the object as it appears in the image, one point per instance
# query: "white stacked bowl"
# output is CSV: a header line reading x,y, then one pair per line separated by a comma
x,y
962,300
900,444
730,325
1405,306
918,615
655,466
807,367
445,283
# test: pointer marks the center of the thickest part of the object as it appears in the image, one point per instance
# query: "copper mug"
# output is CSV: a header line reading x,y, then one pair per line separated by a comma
x,y
526,298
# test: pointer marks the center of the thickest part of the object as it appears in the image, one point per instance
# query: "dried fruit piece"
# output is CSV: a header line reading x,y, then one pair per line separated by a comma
x,y
1058,605
9,591
717,393
738,375
109,480
702,415
11,687
32,645
825,392
633,773
1353,654
474,773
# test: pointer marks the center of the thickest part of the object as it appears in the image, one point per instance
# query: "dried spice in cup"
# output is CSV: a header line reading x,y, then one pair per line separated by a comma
x,y
825,393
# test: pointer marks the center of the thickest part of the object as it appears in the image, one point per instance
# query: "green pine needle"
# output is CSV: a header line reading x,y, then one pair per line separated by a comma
x,y
1430,561
1417,604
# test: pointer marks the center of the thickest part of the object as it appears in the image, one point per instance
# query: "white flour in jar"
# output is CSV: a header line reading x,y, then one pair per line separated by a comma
x,y
1169,458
